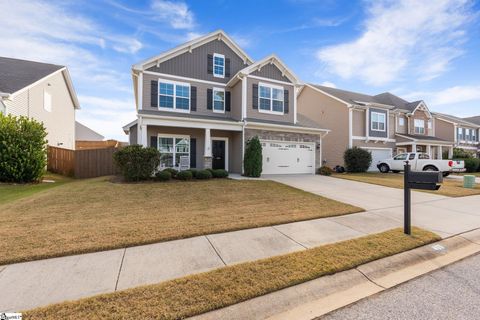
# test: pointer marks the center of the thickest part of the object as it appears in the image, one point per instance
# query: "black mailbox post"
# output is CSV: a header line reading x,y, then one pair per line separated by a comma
x,y
428,180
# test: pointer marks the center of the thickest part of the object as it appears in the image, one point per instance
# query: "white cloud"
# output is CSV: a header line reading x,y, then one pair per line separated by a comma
x,y
177,14
448,96
406,38
328,84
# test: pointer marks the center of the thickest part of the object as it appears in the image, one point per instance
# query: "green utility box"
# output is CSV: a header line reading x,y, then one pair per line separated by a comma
x,y
469,181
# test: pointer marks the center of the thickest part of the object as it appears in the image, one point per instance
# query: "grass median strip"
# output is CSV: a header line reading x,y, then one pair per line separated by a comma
x,y
96,214
196,294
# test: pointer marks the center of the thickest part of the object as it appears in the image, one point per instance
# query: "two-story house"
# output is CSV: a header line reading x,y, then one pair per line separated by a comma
x,y
464,132
383,124
201,102
43,92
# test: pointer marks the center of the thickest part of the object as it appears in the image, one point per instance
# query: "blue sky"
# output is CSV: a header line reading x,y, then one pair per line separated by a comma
x,y
428,50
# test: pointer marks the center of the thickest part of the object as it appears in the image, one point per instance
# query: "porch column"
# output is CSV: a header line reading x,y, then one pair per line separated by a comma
x,y
439,152
414,147
207,156
429,150
450,152
142,135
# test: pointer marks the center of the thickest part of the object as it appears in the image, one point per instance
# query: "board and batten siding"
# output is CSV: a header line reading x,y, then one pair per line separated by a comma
x,y
255,114
374,133
60,121
271,71
194,64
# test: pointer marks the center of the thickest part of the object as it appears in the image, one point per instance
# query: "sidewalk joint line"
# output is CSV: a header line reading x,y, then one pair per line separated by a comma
x,y
363,274
216,251
120,269
300,244
347,226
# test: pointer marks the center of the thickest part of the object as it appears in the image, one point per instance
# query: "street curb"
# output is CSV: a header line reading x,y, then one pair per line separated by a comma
x,y
326,294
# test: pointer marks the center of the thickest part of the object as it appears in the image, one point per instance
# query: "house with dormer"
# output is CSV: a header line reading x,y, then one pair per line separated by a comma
x,y
200,103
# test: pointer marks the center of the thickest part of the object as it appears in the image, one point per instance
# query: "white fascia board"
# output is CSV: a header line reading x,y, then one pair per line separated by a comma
x,y
409,138
71,88
13,94
272,59
278,127
167,121
328,95
189,46
126,128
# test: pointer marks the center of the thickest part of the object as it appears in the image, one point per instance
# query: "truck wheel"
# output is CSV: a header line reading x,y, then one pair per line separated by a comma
x,y
430,168
384,168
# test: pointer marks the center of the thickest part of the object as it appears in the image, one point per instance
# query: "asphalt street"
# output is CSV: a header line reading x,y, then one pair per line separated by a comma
x,y
449,293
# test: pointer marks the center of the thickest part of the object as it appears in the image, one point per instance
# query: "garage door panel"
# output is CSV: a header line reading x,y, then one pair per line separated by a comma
x,y
378,155
288,157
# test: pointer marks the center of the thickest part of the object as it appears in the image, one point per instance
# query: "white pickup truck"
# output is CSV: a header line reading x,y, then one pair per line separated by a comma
x,y
418,162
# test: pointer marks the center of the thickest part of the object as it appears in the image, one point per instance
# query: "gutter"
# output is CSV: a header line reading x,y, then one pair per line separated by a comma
x,y
4,95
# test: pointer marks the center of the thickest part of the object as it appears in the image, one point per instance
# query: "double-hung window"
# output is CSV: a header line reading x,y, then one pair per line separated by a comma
x,y
467,135
270,99
378,121
218,100
474,135
173,96
460,134
218,65
171,149
419,126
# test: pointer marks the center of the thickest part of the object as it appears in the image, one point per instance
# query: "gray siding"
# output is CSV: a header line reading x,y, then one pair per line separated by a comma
x,y
201,97
194,64
133,135
271,71
255,114
378,134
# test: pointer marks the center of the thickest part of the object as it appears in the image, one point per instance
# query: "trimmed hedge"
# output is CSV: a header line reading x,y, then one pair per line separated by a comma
x,y
325,171
220,173
203,175
194,172
137,163
252,163
23,149
163,176
172,171
472,164
184,175
357,159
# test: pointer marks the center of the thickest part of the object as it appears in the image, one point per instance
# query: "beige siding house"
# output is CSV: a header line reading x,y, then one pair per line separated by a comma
x,y
201,102
43,92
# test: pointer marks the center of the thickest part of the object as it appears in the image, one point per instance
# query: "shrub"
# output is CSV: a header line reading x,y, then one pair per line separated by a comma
x,y
163,176
203,175
184,175
172,171
210,170
325,171
472,164
137,163
357,159
194,172
459,153
23,149
220,173
252,163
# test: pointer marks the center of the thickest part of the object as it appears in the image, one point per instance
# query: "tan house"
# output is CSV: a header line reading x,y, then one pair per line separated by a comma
x,y
41,91
200,103
383,124
464,132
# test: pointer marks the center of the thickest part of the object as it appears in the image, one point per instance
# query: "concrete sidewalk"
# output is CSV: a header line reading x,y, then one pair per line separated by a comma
x,y
42,282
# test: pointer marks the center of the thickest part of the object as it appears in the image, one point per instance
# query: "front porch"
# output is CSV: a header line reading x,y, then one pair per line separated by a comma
x,y
434,147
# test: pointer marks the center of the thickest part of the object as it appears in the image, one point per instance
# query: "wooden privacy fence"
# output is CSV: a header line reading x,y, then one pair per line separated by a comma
x,y
87,163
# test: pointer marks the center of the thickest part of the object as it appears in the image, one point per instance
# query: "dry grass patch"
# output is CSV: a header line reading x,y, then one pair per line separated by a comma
x,y
96,214
196,294
450,188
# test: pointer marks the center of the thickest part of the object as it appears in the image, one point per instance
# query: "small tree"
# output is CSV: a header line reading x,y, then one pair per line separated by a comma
x,y
137,163
357,159
23,149
252,163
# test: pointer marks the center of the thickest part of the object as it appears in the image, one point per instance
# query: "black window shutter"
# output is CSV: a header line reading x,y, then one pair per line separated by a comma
x,y
154,142
210,64
285,101
153,94
227,101
255,96
193,153
193,98
209,99
227,67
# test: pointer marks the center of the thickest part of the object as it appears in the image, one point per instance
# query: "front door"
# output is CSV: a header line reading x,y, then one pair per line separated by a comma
x,y
218,154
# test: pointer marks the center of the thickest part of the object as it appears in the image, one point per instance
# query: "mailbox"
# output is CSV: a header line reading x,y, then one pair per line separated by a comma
x,y
426,180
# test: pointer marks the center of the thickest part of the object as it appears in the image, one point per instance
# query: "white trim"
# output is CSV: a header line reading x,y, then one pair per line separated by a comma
x,y
270,80
140,90
420,104
373,139
213,99
184,78
328,95
271,87
377,148
422,143
218,35
175,83
313,144
384,123
278,127
415,126
181,136
294,104
367,123
226,149
16,93
244,98
167,121
218,55
350,127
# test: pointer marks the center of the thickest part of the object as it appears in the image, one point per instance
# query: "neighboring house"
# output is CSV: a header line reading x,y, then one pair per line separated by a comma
x,y
84,133
43,92
200,103
383,124
464,132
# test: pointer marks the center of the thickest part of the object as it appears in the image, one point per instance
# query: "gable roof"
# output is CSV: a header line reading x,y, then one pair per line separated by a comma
x,y
475,120
271,59
190,45
457,120
16,74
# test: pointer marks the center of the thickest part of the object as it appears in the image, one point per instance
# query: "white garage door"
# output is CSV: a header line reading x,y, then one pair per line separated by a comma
x,y
288,157
379,155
